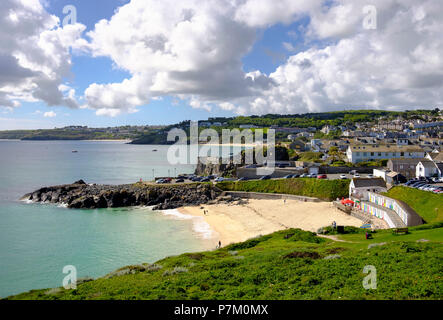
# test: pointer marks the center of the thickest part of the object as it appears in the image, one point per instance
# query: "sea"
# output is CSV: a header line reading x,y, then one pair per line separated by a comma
x,y
37,241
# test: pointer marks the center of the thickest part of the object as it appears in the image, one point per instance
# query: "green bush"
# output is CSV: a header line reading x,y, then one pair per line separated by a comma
x,y
327,190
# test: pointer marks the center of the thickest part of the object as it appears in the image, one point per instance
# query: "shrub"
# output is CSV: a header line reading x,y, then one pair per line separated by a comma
x,y
327,190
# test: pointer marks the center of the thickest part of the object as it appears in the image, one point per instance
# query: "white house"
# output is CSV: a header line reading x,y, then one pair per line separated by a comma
x,y
359,186
370,152
427,169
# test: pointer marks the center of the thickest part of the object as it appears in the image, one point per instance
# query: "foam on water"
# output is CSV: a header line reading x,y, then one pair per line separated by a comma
x,y
200,226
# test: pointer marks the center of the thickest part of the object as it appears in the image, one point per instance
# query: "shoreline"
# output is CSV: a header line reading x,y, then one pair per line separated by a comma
x,y
233,223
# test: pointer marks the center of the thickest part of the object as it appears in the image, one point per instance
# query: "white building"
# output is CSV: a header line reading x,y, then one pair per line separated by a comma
x,y
360,186
427,169
370,152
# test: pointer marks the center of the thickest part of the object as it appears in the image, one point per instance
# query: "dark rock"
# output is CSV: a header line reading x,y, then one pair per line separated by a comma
x,y
80,195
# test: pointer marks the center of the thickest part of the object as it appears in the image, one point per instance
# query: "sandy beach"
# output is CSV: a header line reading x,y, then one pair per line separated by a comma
x,y
236,223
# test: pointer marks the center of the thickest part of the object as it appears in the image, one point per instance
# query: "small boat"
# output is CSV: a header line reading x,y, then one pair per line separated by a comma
x,y
155,150
74,151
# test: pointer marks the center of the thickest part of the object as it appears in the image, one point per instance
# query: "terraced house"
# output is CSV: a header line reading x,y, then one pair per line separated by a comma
x,y
370,152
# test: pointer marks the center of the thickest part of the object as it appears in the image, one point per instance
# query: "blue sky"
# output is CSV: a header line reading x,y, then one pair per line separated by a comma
x,y
267,54
165,61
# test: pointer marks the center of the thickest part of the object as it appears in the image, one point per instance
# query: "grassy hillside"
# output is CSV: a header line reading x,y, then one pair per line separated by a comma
x,y
323,189
290,264
428,205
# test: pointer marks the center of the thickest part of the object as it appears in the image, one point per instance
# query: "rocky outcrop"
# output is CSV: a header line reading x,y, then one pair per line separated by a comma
x,y
80,195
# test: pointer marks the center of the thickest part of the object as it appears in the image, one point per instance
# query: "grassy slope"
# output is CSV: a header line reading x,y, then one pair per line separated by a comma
x,y
428,205
323,189
260,269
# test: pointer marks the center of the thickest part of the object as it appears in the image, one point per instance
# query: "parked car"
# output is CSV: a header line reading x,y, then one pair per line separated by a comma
x,y
356,175
265,178
219,179
322,176
410,182
312,175
343,176
161,181
242,179
417,184
180,180
370,176
205,179
251,166
303,175
289,176
296,176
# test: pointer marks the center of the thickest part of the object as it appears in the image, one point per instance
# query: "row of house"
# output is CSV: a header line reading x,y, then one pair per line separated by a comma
x,y
369,199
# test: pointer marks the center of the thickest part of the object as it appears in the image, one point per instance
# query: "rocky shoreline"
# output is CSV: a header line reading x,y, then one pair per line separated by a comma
x,y
80,195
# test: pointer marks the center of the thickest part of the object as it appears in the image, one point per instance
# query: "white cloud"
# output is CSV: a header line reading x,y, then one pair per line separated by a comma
x,y
192,50
49,114
397,66
34,55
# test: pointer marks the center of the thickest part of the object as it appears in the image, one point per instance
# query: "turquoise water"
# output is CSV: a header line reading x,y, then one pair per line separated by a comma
x,y
37,241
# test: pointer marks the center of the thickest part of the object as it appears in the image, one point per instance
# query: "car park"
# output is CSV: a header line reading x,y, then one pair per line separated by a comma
x,y
410,182
418,184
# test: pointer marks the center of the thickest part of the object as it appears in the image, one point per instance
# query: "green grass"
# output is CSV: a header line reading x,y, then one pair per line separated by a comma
x,y
427,204
327,190
284,265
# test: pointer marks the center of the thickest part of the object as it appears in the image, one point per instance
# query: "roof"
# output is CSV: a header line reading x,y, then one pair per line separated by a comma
x,y
393,174
385,148
368,182
428,163
406,160
437,157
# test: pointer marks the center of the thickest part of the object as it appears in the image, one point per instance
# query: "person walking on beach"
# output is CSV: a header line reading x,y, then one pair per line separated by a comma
x,y
334,225
219,245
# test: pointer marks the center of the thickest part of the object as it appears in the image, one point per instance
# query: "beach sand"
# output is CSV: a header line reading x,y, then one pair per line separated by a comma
x,y
233,223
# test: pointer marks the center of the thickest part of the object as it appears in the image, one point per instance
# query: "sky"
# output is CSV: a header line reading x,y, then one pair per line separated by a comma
x,y
148,62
